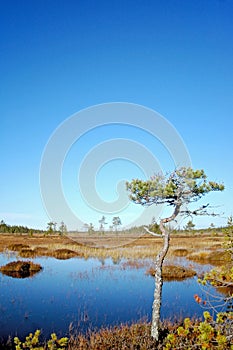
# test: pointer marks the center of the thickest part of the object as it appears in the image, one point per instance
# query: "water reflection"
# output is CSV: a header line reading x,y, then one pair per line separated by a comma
x,y
87,294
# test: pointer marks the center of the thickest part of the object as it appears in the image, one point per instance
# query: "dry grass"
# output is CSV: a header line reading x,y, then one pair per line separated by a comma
x,y
27,253
217,257
20,269
180,252
18,246
136,336
134,264
173,273
41,251
184,334
200,256
103,253
61,254
64,254
143,247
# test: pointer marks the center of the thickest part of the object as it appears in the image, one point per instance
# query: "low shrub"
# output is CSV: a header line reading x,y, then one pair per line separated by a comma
x,y
32,342
207,334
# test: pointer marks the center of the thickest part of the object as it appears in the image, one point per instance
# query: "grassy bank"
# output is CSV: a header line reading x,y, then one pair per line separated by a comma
x,y
107,245
187,334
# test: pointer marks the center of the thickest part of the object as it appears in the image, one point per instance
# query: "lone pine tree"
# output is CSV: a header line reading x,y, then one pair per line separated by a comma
x,y
178,189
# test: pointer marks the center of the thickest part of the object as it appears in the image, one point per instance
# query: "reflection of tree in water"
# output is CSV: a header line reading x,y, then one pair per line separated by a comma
x,y
20,269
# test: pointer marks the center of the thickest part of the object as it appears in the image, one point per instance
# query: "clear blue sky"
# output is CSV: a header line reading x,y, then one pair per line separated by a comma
x,y
59,57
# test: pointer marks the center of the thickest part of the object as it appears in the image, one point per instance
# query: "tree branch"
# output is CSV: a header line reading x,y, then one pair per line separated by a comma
x,y
153,233
198,211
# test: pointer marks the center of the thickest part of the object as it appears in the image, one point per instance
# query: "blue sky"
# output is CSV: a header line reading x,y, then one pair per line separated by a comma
x,y
59,57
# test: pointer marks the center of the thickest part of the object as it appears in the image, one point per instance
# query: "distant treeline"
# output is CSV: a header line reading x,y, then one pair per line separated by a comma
x,y
5,228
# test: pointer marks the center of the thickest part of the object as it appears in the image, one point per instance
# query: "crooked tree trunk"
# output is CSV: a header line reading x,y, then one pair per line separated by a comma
x,y
158,286
158,275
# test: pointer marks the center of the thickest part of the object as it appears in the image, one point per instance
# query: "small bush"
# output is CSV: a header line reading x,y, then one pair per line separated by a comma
x,y
209,334
32,342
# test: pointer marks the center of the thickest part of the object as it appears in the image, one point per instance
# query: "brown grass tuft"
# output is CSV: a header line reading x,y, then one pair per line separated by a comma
x,y
27,253
180,252
17,247
20,269
41,251
64,254
218,257
173,273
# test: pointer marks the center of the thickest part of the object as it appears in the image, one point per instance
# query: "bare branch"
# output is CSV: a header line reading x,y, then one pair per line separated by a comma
x,y
198,211
153,233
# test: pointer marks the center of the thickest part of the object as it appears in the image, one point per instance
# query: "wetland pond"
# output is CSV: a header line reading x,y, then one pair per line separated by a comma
x,y
89,294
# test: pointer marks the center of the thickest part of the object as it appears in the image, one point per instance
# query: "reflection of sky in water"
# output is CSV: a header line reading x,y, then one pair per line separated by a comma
x,y
86,293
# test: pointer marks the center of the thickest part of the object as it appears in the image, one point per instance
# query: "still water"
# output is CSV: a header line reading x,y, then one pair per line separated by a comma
x,y
86,294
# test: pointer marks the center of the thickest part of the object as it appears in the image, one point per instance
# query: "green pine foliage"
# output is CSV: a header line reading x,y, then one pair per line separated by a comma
x,y
32,342
184,185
